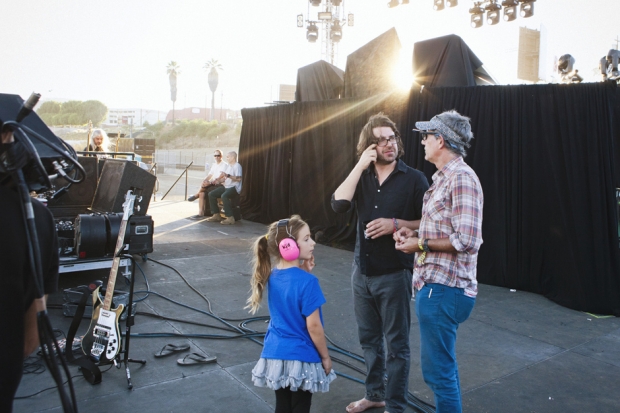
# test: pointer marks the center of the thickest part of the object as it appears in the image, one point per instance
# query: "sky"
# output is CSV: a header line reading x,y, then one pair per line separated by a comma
x,y
117,51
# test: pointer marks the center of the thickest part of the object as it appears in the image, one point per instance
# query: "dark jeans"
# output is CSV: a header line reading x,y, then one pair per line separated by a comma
x,y
382,308
440,310
288,401
226,194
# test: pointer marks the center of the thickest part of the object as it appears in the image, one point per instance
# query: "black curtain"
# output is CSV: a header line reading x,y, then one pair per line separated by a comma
x,y
445,61
369,68
544,155
319,81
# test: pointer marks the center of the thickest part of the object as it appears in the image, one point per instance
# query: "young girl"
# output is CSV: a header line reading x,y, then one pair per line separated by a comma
x,y
294,362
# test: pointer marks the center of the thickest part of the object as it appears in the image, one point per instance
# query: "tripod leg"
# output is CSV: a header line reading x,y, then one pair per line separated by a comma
x,y
129,383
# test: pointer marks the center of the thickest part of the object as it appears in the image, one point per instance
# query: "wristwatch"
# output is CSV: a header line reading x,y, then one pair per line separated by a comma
x,y
425,246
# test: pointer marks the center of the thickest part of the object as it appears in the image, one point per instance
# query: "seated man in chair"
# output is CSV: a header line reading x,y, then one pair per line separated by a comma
x,y
230,190
211,182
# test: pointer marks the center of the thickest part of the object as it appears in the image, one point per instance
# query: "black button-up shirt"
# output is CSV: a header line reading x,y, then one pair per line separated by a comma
x,y
400,196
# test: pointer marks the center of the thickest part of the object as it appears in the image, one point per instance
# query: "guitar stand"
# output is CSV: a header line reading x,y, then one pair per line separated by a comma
x,y
128,323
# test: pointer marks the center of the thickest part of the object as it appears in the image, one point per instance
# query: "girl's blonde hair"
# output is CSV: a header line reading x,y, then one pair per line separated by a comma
x,y
264,249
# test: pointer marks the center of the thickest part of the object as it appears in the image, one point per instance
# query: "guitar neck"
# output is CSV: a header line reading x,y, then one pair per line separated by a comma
x,y
120,242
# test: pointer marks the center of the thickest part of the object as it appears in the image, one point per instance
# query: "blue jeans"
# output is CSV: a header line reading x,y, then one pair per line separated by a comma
x,y
382,308
226,194
440,310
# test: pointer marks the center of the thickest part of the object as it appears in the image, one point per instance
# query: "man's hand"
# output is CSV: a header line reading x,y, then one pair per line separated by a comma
x,y
408,246
379,227
368,156
403,233
406,240
308,265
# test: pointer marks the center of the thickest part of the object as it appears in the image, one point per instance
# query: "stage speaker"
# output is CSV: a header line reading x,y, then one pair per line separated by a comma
x,y
80,194
117,177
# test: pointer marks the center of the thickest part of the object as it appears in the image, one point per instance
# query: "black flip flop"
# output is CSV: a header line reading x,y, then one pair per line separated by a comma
x,y
196,358
171,349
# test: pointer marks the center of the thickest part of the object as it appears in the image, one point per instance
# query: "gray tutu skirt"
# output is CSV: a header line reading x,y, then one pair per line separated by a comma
x,y
298,375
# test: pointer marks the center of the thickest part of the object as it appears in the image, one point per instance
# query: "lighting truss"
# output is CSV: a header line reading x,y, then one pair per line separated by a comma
x,y
327,26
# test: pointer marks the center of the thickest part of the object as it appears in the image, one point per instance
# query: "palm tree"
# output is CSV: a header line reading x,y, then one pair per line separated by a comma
x,y
173,70
212,67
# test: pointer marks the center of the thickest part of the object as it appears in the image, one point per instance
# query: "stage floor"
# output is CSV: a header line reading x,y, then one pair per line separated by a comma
x,y
518,352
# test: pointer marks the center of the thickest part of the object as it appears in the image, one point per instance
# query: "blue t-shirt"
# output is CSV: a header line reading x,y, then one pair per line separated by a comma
x,y
294,294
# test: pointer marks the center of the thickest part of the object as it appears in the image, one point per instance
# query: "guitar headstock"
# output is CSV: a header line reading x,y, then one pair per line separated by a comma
x,y
128,205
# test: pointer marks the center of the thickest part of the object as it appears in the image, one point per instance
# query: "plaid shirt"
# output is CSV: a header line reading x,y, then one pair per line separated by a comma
x,y
452,208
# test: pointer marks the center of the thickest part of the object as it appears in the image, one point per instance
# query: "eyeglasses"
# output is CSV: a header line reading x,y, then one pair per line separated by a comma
x,y
217,156
384,141
425,135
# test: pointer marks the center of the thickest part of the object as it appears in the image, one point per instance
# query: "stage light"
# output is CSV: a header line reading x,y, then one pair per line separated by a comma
x,y
336,3
315,2
493,13
336,32
439,5
300,20
510,9
527,8
392,3
350,19
477,15
312,33
452,3
325,15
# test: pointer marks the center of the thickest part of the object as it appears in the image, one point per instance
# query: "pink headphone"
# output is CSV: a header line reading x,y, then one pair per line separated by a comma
x,y
289,250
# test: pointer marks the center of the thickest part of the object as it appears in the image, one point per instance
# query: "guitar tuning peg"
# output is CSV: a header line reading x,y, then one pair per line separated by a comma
x,y
138,208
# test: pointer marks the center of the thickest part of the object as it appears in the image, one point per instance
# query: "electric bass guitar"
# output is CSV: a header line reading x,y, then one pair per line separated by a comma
x,y
102,342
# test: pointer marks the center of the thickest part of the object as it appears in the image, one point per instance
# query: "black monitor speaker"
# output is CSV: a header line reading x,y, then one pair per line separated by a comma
x,y
117,177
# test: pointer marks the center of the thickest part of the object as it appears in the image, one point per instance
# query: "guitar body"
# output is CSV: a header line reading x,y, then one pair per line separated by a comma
x,y
102,341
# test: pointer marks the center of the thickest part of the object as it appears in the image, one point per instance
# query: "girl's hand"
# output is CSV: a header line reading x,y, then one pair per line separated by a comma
x,y
327,364
308,265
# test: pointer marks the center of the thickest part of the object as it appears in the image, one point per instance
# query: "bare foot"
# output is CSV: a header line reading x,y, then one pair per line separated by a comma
x,y
364,404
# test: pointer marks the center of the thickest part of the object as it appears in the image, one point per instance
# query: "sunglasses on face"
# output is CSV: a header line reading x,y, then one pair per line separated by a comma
x,y
425,135
217,156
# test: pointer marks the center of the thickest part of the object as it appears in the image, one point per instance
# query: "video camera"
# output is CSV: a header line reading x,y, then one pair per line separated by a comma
x,y
36,151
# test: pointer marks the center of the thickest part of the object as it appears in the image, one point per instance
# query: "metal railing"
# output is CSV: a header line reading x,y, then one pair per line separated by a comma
x,y
175,182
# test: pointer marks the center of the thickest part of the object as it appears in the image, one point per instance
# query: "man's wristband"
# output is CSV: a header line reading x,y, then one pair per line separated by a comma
x,y
395,222
425,246
420,244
